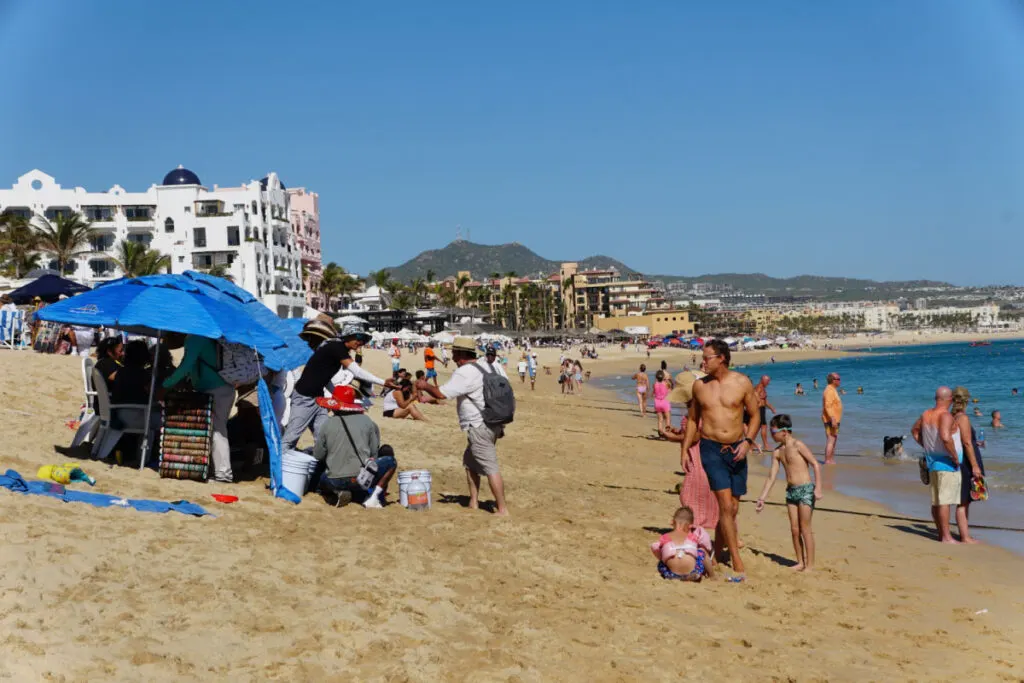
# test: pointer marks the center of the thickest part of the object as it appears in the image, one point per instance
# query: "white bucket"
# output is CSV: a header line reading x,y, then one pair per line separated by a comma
x,y
296,468
406,478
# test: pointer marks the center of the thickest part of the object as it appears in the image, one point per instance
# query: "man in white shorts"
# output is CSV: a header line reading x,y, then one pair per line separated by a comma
x,y
938,434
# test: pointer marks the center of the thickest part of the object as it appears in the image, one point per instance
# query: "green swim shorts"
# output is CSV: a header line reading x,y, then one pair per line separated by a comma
x,y
802,494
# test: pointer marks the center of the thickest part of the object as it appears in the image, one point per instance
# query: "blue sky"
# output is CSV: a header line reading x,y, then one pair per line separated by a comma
x,y
862,138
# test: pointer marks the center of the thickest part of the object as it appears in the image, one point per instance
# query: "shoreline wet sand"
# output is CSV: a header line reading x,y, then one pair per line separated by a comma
x,y
566,589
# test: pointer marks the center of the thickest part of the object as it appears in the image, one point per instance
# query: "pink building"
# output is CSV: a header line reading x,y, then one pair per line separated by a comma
x,y
305,220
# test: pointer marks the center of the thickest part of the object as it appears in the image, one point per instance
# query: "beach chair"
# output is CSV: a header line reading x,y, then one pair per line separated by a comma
x,y
12,325
88,422
107,434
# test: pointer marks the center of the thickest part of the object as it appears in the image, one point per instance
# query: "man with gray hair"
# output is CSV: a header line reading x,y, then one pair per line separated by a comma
x,y
831,415
938,434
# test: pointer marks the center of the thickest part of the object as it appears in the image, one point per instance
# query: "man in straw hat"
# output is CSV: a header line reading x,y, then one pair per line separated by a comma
x,y
717,406
467,387
331,354
347,440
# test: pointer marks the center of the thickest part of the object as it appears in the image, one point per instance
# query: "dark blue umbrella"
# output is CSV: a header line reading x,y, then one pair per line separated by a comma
x,y
49,288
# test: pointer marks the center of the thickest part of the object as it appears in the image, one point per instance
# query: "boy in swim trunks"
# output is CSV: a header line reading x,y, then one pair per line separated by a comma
x,y
801,492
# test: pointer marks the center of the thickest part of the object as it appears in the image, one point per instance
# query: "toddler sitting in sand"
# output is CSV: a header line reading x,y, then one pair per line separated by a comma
x,y
683,553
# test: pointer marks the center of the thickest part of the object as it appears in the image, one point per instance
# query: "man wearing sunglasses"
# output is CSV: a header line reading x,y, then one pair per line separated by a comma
x,y
719,400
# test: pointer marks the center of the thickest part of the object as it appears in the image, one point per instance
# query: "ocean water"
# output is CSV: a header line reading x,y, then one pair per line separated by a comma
x,y
899,383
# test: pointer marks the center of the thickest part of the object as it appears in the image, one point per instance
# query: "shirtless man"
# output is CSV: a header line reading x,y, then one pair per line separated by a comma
x,y
761,391
719,400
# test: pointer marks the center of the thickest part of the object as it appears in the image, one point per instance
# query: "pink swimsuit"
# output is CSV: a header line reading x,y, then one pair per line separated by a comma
x,y
661,403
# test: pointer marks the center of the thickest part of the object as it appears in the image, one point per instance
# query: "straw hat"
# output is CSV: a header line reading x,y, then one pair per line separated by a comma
x,y
465,344
355,331
318,328
343,400
682,392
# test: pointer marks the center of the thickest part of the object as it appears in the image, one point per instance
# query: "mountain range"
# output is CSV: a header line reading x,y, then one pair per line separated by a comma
x,y
482,260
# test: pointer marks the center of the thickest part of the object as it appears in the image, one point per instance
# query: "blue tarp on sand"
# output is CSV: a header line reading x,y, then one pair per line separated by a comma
x,y
13,481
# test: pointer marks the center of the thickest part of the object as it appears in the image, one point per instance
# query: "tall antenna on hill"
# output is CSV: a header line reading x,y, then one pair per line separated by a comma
x,y
458,233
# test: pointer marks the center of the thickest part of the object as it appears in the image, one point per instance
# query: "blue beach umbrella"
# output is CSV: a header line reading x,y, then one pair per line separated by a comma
x,y
161,303
294,353
156,304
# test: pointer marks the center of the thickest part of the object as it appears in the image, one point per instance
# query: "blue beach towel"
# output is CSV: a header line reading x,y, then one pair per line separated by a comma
x,y
13,481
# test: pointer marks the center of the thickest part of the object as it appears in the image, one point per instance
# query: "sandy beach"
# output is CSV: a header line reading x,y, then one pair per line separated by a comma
x,y
564,590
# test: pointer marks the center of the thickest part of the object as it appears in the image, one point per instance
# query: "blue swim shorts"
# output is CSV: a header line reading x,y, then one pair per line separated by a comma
x,y
722,472
431,373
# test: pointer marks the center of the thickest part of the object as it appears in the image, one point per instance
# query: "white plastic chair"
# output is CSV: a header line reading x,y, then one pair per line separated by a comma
x,y
108,436
88,422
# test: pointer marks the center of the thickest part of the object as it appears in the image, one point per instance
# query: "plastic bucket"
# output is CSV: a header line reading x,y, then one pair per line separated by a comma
x,y
406,478
296,468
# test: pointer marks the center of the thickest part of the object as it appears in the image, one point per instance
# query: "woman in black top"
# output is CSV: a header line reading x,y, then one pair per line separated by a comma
x,y
132,382
108,357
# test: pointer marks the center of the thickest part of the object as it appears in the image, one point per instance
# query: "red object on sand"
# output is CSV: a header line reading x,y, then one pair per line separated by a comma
x,y
224,498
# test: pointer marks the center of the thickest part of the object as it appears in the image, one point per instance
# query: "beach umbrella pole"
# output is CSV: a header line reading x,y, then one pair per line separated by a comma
x,y
149,403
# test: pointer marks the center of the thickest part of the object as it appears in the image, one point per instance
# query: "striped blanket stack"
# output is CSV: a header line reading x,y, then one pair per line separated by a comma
x,y
185,436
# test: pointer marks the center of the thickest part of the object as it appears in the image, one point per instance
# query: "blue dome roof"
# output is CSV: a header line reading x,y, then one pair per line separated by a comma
x,y
181,176
266,178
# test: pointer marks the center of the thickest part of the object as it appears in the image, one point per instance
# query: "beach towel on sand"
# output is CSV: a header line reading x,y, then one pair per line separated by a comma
x,y
13,481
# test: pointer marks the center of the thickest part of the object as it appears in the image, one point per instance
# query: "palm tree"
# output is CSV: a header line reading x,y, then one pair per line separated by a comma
x,y
220,270
430,275
135,259
394,287
17,242
380,279
332,281
65,238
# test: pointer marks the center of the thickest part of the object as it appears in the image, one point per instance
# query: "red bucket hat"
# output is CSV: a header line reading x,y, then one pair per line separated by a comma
x,y
344,398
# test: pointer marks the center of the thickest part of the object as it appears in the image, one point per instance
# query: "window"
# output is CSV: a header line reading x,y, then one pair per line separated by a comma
x,y
233,239
199,237
101,267
169,225
137,213
254,207
181,259
202,260
143,239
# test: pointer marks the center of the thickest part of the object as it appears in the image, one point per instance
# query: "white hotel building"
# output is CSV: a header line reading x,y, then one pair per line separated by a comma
x,y
245,228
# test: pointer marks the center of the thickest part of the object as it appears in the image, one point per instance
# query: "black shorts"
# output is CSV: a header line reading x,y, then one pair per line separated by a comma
x,y
764,416
389,413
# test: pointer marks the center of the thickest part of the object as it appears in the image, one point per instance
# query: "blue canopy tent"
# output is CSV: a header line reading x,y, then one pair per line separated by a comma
x,y
48,287
155,304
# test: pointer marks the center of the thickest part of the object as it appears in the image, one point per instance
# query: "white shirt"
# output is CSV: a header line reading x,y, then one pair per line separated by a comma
x,y
390,402
393,351
467,387
522,367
